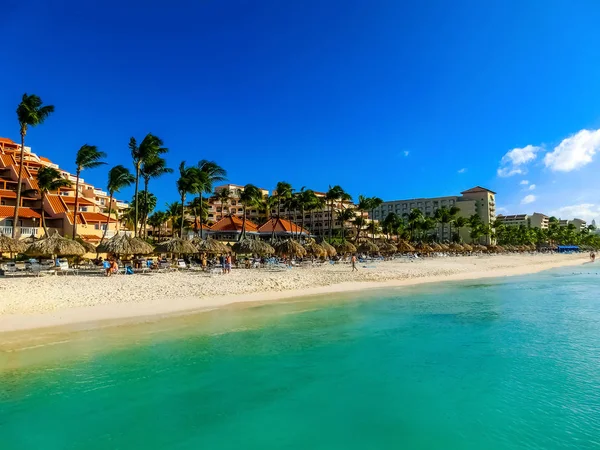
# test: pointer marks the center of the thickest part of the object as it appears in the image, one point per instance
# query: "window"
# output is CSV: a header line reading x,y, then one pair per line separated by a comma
x,y
83,209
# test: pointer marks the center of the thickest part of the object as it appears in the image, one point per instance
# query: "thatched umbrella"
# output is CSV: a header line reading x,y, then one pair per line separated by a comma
x,y
479,248
123,244
29,239
405,247
456,247
467,247
289,247
55,245
436,247
346,247
89,248
210,246
500,249
368,247
330,249
253,246
176,245
10,245
444,247
314,249
387,247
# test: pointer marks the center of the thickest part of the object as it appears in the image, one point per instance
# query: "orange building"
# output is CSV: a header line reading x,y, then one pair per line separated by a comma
x,y
59,207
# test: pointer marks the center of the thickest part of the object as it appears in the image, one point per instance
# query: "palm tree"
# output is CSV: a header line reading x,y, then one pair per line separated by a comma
x,y
119,177
30,113
359,222
49,180
223,195
344,216
88,157
199,211
249,196
209,174
374,203
442,215
152,166
187,183
174,210
460,222
335,194
414,219
283,192
306,198
157,220
388,224
150,147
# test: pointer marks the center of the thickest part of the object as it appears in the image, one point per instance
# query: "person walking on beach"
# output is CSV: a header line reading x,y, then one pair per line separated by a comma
x,y
228,264
592,256
222,262
353,260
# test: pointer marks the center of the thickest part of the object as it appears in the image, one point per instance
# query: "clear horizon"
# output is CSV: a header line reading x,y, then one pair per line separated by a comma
x,y
398,101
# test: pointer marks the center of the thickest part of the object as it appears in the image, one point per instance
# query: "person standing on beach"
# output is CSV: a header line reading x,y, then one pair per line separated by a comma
x,y
354,263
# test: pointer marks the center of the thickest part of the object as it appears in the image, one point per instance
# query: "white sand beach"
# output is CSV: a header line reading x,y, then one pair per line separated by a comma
x,y
38,302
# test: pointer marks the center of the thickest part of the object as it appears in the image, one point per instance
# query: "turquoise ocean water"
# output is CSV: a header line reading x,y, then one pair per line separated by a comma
x,y
494,364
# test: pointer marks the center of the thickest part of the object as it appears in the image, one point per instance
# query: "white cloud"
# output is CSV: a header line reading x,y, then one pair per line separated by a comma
x,y
405,152
585,211
574,152
501,210
463,170
515,160
528,199
532,187
525,182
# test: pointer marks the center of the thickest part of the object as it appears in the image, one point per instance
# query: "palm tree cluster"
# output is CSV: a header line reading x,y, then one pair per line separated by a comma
x,y
550,237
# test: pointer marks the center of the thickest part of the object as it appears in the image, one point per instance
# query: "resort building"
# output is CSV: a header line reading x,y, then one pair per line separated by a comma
x,y
578,223
535,220
477,200
58,207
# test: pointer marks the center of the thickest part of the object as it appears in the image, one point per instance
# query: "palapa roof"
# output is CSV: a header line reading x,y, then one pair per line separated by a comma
x,y
10,245
176,245
55,245
233,223
368,247
279,225
346,247
314,249
387,247
251,246
330,249
211,246
24,212
404,246
123,244
289,247
89,248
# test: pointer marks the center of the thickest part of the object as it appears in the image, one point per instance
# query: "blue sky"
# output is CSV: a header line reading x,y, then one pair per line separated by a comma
x,y
386,98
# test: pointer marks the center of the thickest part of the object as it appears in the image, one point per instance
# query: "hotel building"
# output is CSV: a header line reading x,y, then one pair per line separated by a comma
x,y
535,220
478,200
58,206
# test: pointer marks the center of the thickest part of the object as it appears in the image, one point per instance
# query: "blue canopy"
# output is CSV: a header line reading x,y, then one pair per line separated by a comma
x,y
568,248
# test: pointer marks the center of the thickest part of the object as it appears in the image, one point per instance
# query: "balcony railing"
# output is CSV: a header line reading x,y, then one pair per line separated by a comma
x,y
24,231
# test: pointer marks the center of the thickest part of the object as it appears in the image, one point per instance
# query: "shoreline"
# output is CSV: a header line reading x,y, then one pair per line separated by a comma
x,y
119,313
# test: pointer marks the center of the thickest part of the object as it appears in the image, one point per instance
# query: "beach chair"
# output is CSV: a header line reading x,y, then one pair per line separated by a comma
x,y
9,268
64,268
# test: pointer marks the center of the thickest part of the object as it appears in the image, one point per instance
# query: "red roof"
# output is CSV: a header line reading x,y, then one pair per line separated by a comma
x,y
81,201
7,141
233,223
281,226
44,159
56,203
89,237
95,217
7,160
25,213
476,189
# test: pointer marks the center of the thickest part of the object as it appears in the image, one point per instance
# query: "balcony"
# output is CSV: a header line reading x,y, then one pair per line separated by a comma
x,y
25,231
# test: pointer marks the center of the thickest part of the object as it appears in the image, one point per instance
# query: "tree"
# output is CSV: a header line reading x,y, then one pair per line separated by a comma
x,y
283,192
49,180
306,199
199,211
147,202
119,177
209,174
157,220
153,166
335,194
359,222
88,157
187,183
317,204
344,216
388,224
415,217
250,196
224,197
174,210
460,222
150,147
374,203
30,113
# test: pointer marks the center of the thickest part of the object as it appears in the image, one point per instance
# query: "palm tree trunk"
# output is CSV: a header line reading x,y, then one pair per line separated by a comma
x,y
20,179
330,221
137,203
302,220
182,215
201,206
43,194
108,218
373,223
243,235
76,205
145,212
